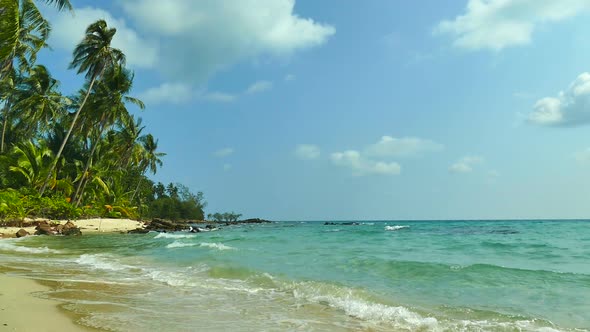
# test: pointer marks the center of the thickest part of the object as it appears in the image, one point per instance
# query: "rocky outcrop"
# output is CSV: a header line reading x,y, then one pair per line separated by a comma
x,y
22,233
69,229
161,225
254,221
139,231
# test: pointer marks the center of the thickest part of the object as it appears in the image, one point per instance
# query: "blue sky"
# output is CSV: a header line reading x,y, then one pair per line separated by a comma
x,y
314,110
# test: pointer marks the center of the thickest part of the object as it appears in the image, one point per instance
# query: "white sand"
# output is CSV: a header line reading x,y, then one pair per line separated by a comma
x,y
98,225
21,311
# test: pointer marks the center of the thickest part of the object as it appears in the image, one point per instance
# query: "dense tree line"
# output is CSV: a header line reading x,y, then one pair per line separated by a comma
x,y
79,155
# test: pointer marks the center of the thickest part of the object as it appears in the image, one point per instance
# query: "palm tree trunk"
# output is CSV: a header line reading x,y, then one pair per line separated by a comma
x,y
76,197
65,141
4,131
137,187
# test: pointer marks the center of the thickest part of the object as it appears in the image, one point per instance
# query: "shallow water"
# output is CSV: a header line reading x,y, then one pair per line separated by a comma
x,y
376,276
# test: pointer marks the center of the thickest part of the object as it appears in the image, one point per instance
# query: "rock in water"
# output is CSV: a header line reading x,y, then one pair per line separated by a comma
x,y
71,231
138,231
43,228
22,233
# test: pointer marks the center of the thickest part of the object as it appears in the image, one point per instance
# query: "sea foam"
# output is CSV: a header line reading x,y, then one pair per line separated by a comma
x,y
101,262
218,246
395,228
7,245
174,236
354,305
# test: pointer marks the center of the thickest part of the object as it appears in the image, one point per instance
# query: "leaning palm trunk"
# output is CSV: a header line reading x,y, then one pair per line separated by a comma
x,y
4,130
77,198
137,187
65,141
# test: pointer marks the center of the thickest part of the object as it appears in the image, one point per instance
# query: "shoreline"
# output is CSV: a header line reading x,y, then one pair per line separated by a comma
x,y
87,226
21,310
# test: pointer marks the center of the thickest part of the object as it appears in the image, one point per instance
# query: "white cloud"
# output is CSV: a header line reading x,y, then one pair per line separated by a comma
x,y
362,166
174,93
68,30
180,93
496,24
226,167
401,147
465,164
221,97
377,158
198,38
307,151
259,86
222,153
569,108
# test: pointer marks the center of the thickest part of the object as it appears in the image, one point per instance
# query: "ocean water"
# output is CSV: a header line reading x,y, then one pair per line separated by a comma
x,y
307,276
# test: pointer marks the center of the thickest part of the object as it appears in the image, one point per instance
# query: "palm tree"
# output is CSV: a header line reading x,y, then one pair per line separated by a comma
x,y
32,162
150,158
109,105
29,32
128,137
12,15
92,56
40,102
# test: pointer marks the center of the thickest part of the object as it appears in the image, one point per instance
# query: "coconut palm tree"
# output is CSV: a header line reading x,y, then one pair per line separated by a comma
x,y
32,162
93,56
108,104
18,16
150,158
40,103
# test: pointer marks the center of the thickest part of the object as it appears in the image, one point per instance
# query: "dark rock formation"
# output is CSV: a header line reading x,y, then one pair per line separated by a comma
x,y
75,231
161,225
43,228
138,231
254,221
22,233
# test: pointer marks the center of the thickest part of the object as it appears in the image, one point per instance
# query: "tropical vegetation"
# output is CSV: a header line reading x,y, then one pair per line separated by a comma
x,y
82,155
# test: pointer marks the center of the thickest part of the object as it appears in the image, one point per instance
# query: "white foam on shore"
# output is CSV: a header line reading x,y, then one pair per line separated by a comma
x,y
101,262
174,236
218,246
8,245
395,228
346,300
179,244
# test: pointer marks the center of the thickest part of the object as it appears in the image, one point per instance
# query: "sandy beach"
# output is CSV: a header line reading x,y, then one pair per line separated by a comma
x,y
98,225
20,310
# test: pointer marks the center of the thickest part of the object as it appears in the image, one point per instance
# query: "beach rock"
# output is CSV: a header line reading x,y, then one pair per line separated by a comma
x,y
161,225
69,225
59,228
44,229
22,233
255,221
71,231
138,231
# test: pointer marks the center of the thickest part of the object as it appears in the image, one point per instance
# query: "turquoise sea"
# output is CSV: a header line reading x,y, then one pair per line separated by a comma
x,y
307,276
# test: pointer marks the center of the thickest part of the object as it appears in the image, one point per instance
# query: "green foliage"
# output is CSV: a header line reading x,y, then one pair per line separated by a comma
x,y
78,156
16,205
177,203
224,217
